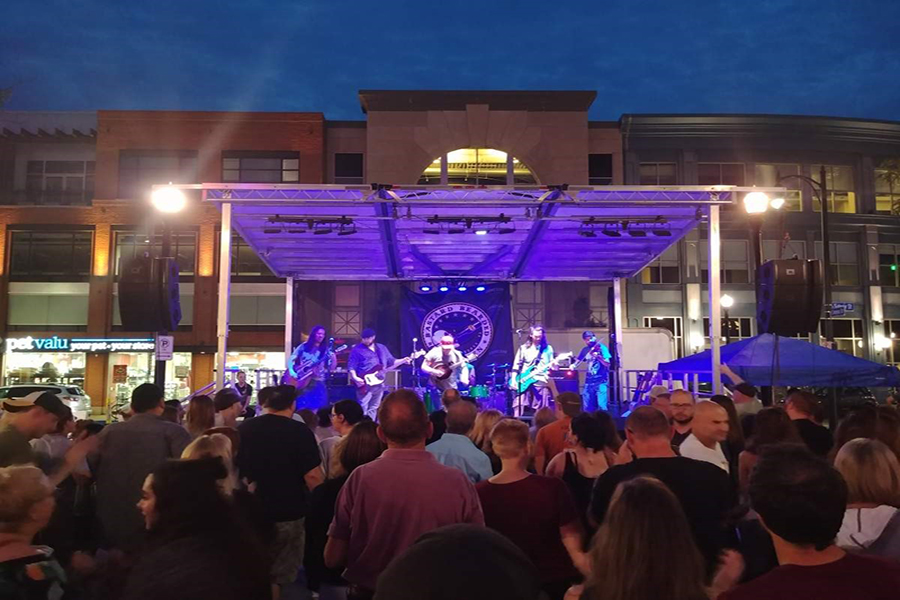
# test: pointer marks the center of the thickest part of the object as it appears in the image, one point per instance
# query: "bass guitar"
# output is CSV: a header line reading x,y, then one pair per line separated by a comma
x,y
375,375
307,368
534,373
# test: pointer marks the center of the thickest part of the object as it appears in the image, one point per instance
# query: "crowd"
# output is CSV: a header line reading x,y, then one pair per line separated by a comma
x,y
692,500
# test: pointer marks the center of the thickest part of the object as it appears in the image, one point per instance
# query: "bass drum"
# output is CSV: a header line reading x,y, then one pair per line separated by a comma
x,y
479,392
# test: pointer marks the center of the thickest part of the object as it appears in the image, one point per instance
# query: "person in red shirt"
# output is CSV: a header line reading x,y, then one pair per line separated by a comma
x,y
554,438
537,513
801,500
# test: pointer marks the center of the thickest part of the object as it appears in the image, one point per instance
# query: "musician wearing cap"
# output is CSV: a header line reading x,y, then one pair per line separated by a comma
x,y
367,365
446,366
596,357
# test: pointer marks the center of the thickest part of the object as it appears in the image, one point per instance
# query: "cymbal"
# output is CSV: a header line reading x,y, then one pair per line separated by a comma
x,y
496,366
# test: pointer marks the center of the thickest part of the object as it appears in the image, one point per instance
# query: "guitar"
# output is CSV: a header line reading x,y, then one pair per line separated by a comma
x,y
532,374
375,375
306,369
447,370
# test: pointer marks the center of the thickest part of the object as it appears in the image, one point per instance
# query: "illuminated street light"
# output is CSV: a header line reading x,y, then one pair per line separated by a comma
x,y
168,199
756,203
777,203
727,301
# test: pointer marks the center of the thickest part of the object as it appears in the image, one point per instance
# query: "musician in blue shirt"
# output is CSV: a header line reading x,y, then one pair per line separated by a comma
x,y
365,358
316,353
595,394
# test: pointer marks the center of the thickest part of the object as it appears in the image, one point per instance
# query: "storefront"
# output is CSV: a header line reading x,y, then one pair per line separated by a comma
x,y
261,368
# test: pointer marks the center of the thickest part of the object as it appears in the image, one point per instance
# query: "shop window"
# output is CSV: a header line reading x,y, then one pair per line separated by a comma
x,y
770,175
657,173
600,169
841,189
130,244
139,170
50,256
665,269
348,167
59,182
260,167
887,191
65,368
848,335
892,333
889,264
734,329
775,249
720,173
673,324
735,262
479,166
844,260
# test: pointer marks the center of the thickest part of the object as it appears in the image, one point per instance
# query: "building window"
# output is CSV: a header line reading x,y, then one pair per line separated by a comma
x,y
770,175
673,324
66,182
720,173
528,304
50,256
348,167
600,169
260,167
892,334
888,259
139,170
841,191
848,335
346,317
787,248
657,173
245,262
844,262
665,269
130,244
479,166
734,257
887,191
734,329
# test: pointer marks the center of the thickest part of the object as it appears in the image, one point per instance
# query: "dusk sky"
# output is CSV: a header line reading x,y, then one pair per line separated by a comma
x,y
830,57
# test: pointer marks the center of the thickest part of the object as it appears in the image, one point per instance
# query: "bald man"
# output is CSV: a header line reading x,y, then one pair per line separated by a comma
x,y
709,428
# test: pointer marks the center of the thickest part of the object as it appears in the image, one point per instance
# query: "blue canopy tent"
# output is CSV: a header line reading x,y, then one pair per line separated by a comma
x,y
770,360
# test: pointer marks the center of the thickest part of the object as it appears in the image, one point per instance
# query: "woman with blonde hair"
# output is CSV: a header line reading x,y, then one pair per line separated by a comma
x,y
481,435
200,416
214,445
872,519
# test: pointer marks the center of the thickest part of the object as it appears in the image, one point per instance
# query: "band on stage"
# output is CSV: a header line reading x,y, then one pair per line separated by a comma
x,y
526,386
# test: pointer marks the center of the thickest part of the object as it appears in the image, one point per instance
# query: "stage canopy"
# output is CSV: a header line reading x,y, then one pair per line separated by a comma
x,y
433,232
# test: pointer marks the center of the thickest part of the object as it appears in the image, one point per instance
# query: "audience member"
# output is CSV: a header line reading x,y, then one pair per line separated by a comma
x,y
645,549
233,436
580,466
27,572
127,453
801,407
170,406
663,401
481,435
456,450
450,396
360,445
744,394
872,520
345,414
200,415
801,501
537,513
199,546
873,422
554,438
735,442
681,405
772,426
55,444
610,433
281,457
170,414
542,417
387,504
438,417
704,490
245,391
228,408
308,416
215,445
324,429
708,431
484,565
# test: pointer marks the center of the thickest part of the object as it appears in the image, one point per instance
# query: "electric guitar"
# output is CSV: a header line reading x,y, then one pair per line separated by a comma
x,y
534,373
306,368
447,370
375,375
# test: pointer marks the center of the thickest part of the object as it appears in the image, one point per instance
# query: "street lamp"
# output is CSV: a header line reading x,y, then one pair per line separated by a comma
x,y
726,302
756,204
167,200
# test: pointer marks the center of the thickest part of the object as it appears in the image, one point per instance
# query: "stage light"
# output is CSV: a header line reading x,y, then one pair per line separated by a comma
x,y
637,233
612,233
424,288
349,231
168,199
756,203
481,288
456,230
432,230
587,233
271,230
461,288
505,230
444,288
661,232
481,232
322,230
777,203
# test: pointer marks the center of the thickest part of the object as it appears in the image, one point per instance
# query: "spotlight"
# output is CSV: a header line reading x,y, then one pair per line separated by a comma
x,y
461,288
481,232
348,231
637,233
424,288
505,230
456,230
587,233
661,232
612,232
272,230
432,230
322,230
444,288
481,288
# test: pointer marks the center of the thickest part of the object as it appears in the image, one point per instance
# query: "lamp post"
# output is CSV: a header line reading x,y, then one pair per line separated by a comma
x,y
727,302
166,200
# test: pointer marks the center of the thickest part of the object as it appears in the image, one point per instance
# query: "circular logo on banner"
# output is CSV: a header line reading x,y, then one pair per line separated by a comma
x,y
469,325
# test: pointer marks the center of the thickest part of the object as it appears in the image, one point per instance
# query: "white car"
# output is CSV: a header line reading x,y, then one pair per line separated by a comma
x,y
74,397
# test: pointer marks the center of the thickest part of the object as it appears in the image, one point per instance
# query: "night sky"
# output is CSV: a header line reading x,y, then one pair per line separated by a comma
x,y
832,57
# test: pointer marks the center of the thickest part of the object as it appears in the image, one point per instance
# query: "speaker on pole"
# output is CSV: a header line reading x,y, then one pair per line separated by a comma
x,y
148,294
789,296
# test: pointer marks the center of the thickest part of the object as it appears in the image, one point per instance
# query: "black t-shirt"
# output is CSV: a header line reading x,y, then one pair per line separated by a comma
x,y
677,438
704,490
321,513
818,438
276,452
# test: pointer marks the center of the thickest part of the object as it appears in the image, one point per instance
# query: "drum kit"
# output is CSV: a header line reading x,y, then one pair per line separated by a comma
x,y
496,393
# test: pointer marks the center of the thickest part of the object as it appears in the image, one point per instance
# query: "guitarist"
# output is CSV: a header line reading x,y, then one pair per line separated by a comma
x,y
446,356
596,356
364,358
314,395
535,352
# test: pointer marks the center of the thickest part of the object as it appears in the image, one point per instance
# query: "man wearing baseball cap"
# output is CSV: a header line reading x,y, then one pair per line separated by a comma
x,y
31,417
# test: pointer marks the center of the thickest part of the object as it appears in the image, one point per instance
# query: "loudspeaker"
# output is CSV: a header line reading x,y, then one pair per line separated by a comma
x,y
566,381
789,296
148,294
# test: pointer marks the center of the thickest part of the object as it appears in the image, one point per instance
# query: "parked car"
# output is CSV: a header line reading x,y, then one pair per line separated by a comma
x,y
74,397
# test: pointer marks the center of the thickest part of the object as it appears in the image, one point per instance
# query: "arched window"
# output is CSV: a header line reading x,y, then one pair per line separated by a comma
x,y
477,166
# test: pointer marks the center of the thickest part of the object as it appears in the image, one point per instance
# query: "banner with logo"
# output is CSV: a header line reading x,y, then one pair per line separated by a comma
x,y
481,323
